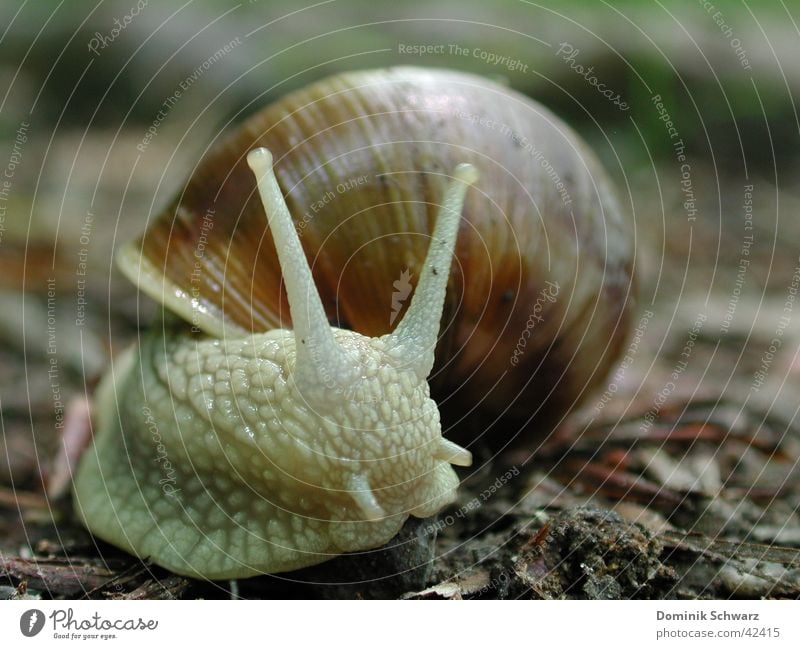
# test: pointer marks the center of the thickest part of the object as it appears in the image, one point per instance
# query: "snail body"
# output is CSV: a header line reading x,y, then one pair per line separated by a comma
x,y
226,458
244,440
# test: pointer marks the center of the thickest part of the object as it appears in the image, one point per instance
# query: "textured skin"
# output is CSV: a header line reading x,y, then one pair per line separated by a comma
x,y
209,461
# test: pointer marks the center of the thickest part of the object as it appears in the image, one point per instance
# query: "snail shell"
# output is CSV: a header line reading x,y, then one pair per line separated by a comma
x,y
537,305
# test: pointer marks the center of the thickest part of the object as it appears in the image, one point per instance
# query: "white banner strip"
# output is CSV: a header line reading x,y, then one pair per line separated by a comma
x,y
392,624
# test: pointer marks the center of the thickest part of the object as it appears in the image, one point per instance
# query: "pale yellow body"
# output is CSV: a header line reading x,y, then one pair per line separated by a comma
x,y
212,464
224,458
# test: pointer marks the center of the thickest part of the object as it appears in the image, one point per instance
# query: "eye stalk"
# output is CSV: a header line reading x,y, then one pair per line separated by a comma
x,y
414,340
330,362
319,356
415,337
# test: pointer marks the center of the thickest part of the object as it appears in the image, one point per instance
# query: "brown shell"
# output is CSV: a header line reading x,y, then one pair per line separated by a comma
x,y
362,158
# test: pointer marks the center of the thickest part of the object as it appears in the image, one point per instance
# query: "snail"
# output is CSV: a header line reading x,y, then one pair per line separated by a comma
x,y
283,416
294,445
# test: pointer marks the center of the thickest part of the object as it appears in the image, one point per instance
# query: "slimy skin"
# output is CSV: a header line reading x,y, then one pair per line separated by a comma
x,y
219,468
227,458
